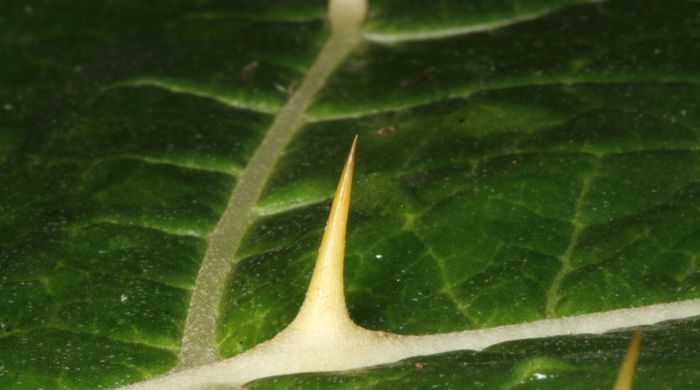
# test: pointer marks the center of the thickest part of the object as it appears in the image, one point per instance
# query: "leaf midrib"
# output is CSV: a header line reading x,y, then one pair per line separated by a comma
x,y
199,336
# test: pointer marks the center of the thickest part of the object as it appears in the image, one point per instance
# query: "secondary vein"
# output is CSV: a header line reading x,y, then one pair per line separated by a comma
x,y
392,38
553,294
199,337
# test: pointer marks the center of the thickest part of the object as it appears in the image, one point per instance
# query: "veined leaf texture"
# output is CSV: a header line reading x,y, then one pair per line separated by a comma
x,y
518,161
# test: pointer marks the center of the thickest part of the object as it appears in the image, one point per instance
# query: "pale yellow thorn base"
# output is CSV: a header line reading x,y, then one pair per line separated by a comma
x,y
626,373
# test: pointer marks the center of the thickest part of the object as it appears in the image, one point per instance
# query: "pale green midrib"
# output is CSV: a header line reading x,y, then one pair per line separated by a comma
x,y
554,293
199,336
247,367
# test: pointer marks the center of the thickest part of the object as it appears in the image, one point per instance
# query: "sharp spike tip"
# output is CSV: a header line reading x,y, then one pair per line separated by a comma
x,y
626,372
325,297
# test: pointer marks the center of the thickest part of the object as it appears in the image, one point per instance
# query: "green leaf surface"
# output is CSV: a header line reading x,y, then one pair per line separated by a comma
x,y
516,162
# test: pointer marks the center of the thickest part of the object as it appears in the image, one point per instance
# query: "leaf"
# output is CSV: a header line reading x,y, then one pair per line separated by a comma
x,y
515,164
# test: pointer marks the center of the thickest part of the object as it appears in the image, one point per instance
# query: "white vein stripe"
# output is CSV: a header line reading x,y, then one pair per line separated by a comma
x,y
394,38
183,88
594,323
271,210
110,220
183,164
360,348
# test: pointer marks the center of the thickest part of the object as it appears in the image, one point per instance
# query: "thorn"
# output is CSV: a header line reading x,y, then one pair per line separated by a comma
x,y
324,304
626,372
